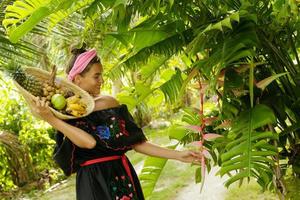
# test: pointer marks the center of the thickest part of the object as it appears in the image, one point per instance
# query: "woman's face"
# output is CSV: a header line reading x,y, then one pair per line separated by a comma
x,y
92,80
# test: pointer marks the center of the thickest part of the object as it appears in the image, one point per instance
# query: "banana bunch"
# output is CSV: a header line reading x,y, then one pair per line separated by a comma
x,y
75,106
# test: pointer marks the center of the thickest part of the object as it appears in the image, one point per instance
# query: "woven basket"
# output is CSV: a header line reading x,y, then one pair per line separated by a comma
x,y
44,76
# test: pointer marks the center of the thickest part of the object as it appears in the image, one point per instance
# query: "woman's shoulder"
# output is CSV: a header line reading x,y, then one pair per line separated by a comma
x,y
104,102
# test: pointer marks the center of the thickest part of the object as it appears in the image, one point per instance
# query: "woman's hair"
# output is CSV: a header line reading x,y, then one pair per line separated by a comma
x,y
76,52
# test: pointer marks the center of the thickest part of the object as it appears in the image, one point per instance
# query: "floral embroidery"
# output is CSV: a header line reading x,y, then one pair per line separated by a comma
x,y
103,132
122,188
122,127
117,127
125,198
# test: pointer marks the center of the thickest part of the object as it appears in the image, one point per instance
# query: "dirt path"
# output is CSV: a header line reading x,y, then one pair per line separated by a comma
x,y
213,188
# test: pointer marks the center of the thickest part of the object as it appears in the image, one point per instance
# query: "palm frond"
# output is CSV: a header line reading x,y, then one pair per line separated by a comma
x,y
171,88
23,15
61,14
249,154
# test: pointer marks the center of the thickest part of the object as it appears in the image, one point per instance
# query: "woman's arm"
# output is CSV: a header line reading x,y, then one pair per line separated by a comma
x,y
161,152
79,137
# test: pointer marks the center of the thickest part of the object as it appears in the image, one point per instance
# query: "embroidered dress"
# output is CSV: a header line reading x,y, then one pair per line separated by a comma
x,y
105,172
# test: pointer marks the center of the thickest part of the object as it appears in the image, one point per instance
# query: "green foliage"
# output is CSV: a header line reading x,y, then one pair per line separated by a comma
x,y
221,41
23,16
37,137
249,152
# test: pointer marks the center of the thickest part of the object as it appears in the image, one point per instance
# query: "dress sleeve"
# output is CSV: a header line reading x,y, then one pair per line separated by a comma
x,y
64,154
135,133
115,129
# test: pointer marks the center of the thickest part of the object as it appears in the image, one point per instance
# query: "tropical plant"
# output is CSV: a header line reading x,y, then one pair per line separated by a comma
x,y
25,143
241,48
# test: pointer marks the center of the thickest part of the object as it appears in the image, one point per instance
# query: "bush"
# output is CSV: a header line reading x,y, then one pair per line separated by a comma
x,y
35,136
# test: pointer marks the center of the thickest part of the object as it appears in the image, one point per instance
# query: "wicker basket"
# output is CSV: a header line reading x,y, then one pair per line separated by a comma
x,y
44,76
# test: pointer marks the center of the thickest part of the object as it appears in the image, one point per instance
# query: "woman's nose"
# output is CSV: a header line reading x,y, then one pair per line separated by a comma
x,y
101,80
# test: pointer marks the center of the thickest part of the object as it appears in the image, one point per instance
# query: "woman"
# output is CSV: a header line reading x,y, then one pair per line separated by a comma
x,y
102,138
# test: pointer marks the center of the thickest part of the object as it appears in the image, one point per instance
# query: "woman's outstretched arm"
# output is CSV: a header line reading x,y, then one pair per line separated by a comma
x,y
78,136
161,152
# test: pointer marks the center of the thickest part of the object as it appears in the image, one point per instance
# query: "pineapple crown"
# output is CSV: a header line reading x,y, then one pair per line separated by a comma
x,y
14,71
10,68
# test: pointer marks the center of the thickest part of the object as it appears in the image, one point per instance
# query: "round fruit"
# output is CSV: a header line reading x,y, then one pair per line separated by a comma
x,y
58,101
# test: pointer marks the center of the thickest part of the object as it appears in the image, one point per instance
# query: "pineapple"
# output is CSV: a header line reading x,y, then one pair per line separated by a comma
x,y
28,82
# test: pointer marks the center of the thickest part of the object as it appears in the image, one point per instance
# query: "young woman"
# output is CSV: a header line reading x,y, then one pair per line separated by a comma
x,y
103,137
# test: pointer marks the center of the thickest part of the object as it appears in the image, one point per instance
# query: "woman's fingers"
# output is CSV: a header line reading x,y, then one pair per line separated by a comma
x,y
195,154
43,102
40,102
37,101
196,162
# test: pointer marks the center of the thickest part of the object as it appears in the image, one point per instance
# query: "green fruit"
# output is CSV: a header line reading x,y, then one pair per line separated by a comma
x,y
58,101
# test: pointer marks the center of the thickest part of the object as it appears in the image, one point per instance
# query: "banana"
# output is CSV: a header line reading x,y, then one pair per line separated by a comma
x,y
76,107
76,113
73,99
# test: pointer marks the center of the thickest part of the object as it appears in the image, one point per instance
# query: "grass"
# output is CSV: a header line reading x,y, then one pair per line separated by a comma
x,y
174,176
249,191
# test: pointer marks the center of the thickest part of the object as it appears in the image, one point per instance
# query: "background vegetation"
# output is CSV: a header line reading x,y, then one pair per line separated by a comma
x,y
166,56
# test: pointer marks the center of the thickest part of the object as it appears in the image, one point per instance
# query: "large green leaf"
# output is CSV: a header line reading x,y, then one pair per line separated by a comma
x,y
151,171
249,153
171,88
24,15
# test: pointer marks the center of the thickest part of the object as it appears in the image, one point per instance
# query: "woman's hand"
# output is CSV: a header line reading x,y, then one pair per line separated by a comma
x,y
40,108
189,157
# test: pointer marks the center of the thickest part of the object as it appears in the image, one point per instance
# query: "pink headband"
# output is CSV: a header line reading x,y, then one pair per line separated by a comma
x,y
81,62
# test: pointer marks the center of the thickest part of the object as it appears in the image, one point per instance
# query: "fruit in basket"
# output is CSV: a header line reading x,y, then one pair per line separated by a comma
x,y
58,101
75,106
28,82
61,98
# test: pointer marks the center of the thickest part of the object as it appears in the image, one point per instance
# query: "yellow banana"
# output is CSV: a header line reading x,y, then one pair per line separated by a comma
x,y
77,107
76,113
73,99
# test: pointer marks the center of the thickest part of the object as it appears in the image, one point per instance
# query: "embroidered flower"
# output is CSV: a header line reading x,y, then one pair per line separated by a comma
x,y
122,127
103,132
125,198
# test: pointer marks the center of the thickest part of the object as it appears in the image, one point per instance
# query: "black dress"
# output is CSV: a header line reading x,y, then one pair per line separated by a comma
x,y
114,179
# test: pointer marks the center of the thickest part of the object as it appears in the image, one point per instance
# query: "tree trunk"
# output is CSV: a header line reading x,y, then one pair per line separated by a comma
x,y
19,164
